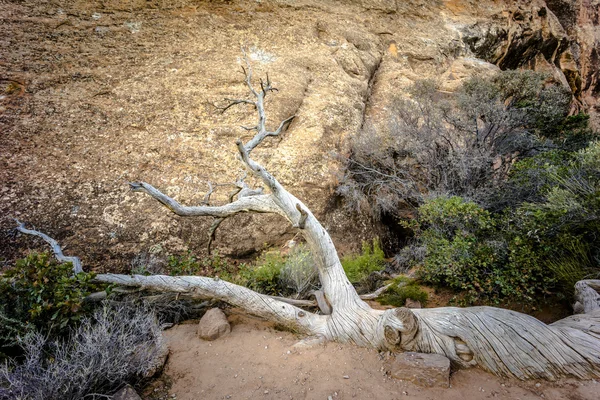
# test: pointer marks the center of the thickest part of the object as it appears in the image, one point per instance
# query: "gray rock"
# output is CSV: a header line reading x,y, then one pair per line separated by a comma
x,y
213,325
428,370
127,393
159,361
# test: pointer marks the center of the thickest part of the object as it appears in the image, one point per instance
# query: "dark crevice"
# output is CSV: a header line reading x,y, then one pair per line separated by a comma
x,y
368,95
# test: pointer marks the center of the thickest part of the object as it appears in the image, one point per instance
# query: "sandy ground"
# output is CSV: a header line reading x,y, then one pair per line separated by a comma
x,y
257,361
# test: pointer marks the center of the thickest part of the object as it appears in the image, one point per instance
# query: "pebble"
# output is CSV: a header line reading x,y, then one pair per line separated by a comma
x,y
346,377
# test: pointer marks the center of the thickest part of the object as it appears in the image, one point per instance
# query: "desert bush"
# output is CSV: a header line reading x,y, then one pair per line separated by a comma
x,y
299,274
41,294
528,181
360,266
403,288
264,276
214,264
114,346
460,145
470,250
574,264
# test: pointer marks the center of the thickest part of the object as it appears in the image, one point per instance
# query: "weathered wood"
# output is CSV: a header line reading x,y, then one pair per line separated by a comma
x,y
587,298
54,245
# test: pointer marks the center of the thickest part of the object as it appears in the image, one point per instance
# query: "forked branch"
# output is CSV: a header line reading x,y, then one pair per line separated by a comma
x,y
259,105
259,203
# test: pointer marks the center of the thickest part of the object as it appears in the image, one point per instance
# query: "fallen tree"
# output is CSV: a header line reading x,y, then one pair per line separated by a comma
x,y
504,342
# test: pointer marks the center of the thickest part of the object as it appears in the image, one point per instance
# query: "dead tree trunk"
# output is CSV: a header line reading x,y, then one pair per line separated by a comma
x,y
503,342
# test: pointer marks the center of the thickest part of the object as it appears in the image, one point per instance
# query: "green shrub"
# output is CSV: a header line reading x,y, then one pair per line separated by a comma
x,y
402,289
263,277
40,294
189,264
183,265
470,251
449,216
574,264
358,267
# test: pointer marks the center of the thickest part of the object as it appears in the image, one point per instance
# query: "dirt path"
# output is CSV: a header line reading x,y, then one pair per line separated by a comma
x,y
257,362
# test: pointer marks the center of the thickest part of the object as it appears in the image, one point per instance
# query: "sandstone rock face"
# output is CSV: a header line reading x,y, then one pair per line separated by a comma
x,y
213,325
428,370
129,90
559,37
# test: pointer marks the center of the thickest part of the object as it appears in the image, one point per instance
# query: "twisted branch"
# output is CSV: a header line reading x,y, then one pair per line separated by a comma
x,y
54,245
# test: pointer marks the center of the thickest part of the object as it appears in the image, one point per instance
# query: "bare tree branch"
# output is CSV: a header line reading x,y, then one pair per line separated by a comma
x,y
212,233
233,102
54,245
259,203
202,288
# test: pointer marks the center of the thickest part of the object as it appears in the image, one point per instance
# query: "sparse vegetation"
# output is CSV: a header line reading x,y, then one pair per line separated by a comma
x,y
114,346
41,295
504,181
299,273
403,288
360,266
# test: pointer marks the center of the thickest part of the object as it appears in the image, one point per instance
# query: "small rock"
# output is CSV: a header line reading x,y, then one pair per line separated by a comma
x,y
126,393
213,325
410,303
426,370
346,377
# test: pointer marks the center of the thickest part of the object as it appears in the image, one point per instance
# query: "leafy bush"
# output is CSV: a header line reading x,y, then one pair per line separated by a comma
x,y
403,288
183,265
189,264
529,180
264,276
450,216
40,294
299,273
466,251
358,267
114,346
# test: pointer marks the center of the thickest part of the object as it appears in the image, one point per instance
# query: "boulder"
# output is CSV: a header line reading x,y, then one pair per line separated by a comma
x,y
213,325
428,370
126,393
